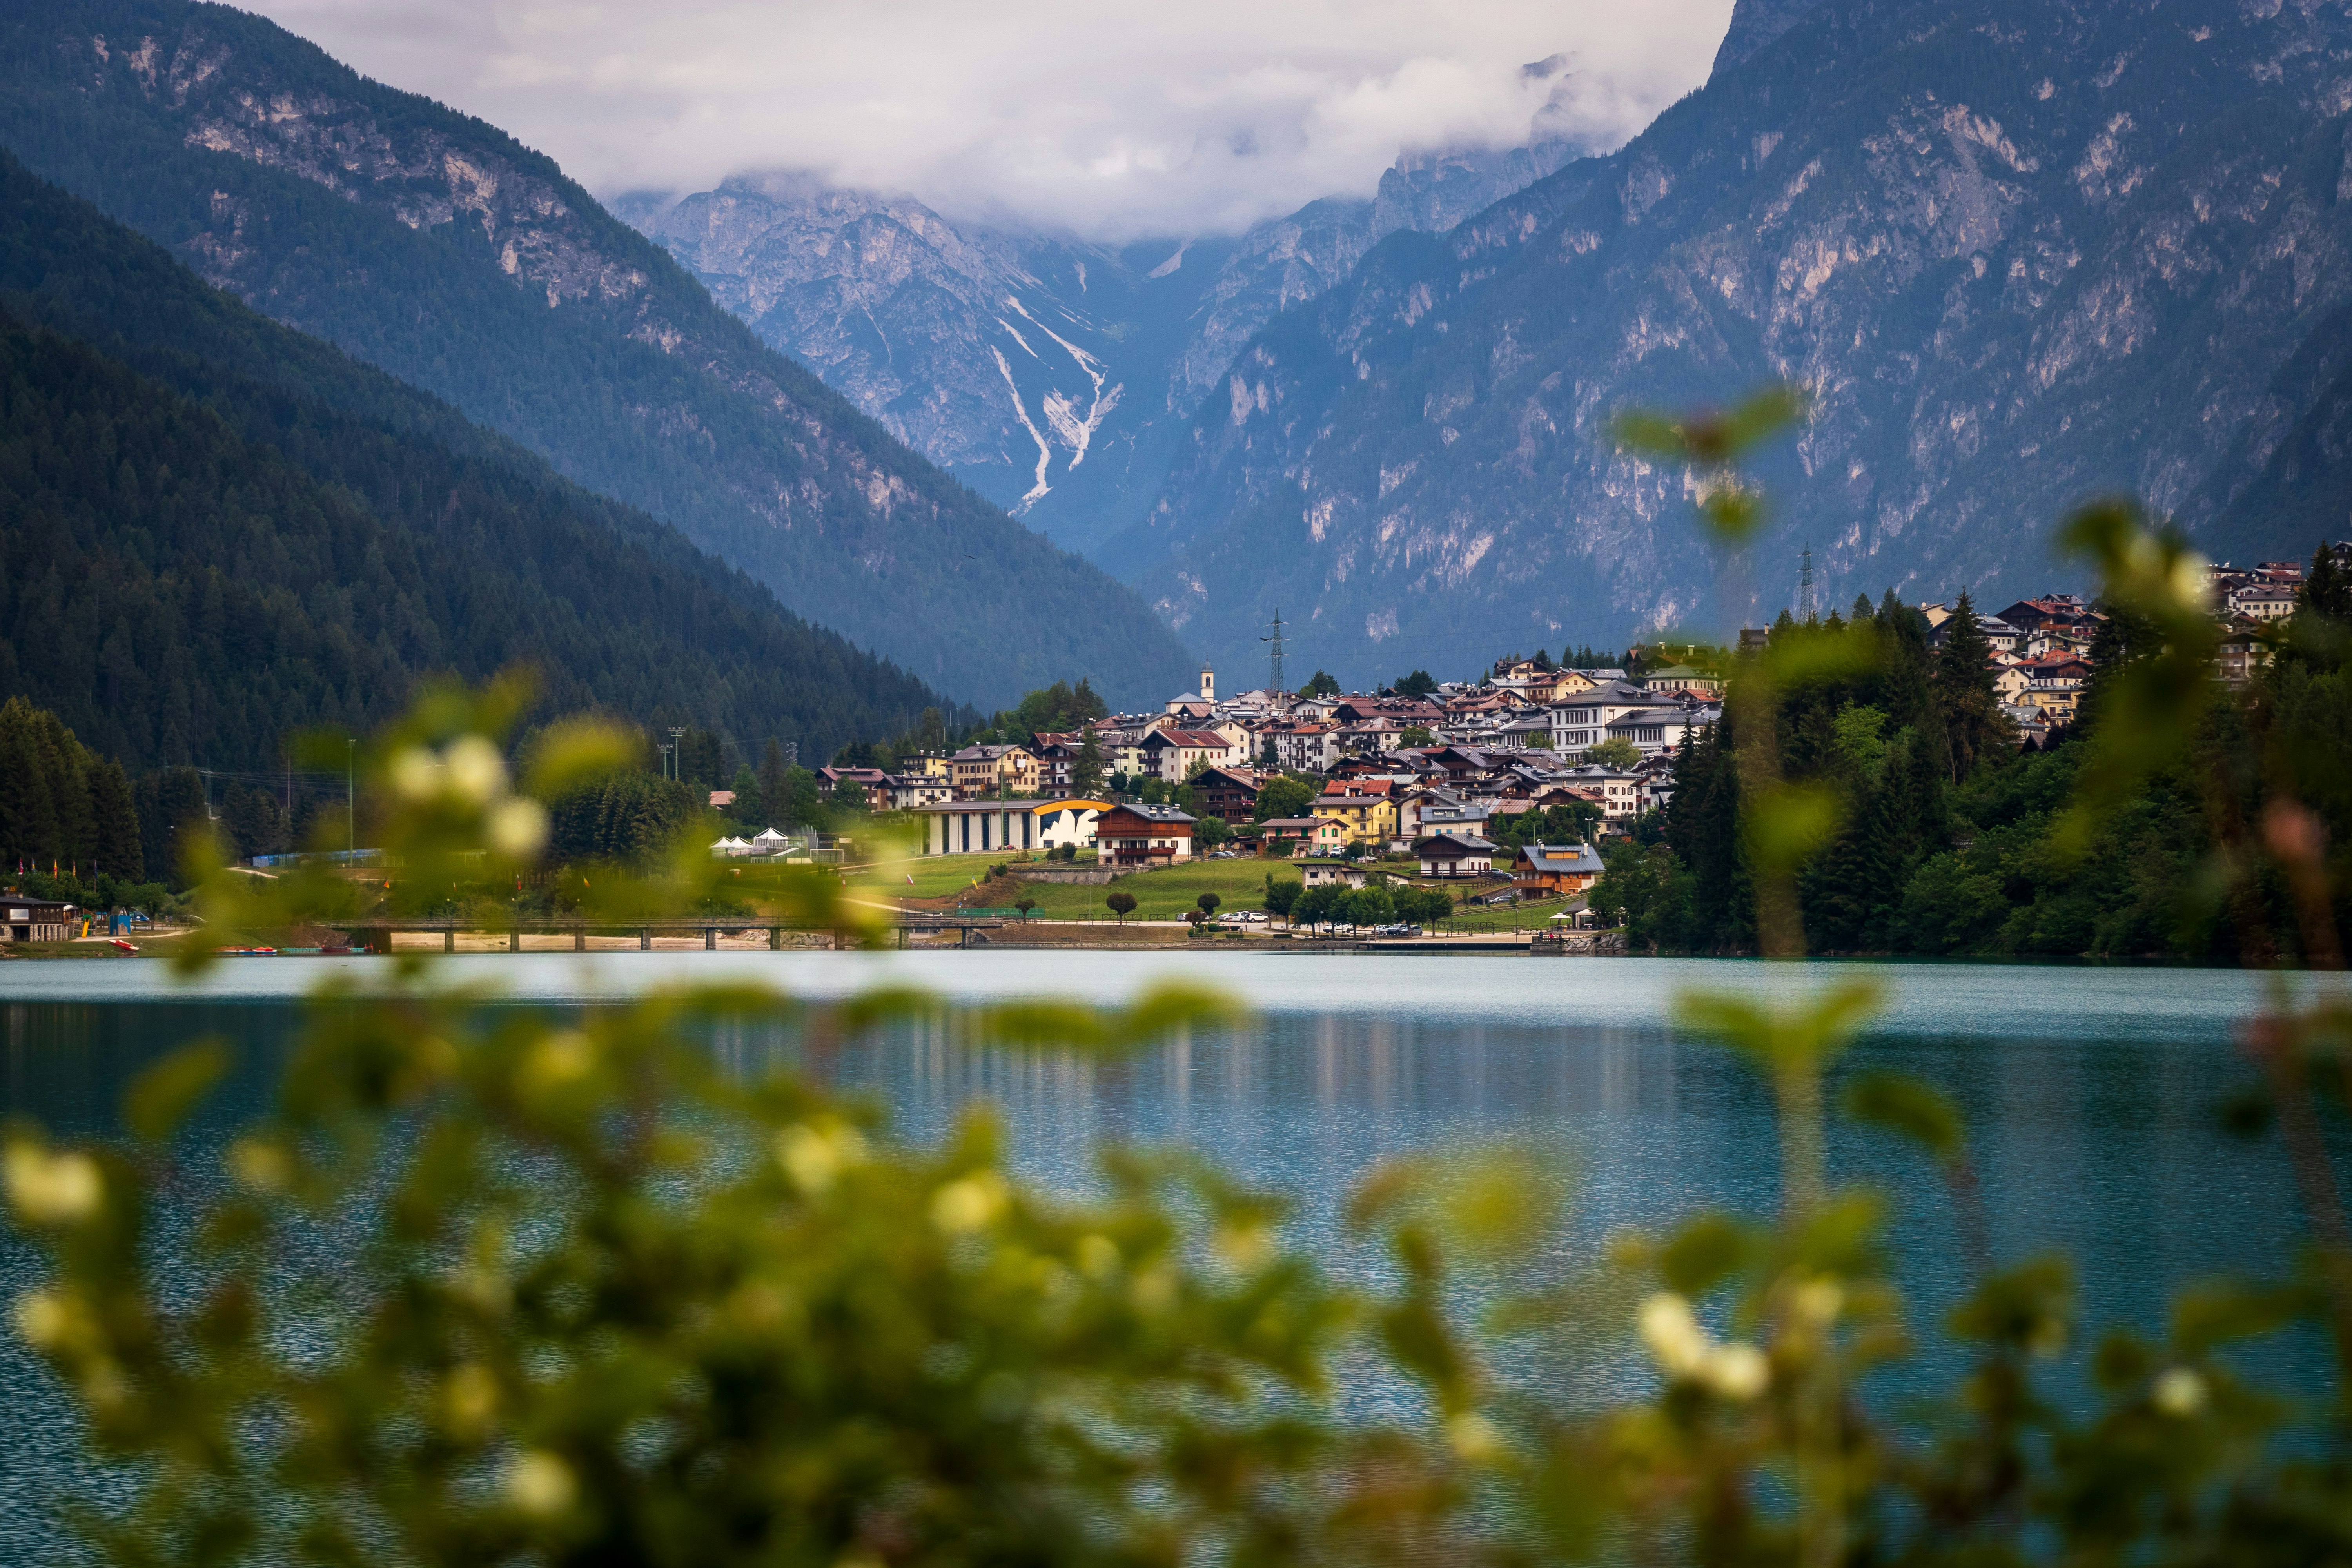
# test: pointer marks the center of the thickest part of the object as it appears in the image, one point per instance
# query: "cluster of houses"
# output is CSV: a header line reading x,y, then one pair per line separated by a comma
x,y
2041,648
2248,601
1436,774
2041,657
1432,776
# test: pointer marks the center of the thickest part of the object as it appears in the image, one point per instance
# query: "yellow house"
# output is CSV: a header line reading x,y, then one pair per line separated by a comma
x,y
984,771
1365,818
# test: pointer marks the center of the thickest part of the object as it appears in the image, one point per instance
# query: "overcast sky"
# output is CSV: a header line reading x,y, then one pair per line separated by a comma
x,y
1116,120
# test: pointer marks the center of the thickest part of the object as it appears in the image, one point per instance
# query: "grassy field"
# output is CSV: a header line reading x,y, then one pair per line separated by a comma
x,y
1161,895
935,876
1165,895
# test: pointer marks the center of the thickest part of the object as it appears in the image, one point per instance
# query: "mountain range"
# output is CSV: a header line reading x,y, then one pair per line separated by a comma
x,y
437,248
2020,254
1053,375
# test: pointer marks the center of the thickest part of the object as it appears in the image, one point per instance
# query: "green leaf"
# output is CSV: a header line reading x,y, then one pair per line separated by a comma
x,y
2213,1311
1805,1034
1788,823
160,1099
1706,1251
1909,1108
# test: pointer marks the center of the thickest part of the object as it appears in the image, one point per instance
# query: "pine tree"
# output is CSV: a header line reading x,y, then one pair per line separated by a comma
x,y
1703,829
1862,615
747,794
1964,699
1861,868
28,818
801,808
172,805
115,820
772,783
2326,589
1086,772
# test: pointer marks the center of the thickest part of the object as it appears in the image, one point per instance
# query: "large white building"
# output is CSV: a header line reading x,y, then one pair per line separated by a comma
x,y
998,826
1582,721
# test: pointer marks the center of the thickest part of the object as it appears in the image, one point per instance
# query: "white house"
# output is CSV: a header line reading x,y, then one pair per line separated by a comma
x,y
1172,755
1454,855
1656,730
1619,792
2263,602
1582,721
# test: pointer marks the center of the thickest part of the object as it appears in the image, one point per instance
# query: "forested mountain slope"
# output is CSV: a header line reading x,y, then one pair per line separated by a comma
x,y
248,533
435,247
2020,253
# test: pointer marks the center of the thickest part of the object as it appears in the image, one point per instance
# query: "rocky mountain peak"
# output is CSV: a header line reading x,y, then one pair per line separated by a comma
x,y
1754,25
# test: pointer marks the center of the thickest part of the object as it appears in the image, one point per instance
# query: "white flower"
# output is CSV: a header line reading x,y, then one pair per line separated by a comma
x,y
476,769
1686,1353
518,828
53,1189
43,1319
260,1165
1473,1436
813,1158
541,1485
1671,1329
1737,1371
415,774
1818,1302
2179,1393
968,1203
2188,582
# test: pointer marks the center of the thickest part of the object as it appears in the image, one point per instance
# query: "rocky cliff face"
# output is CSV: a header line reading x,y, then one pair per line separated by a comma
x,y
2021,254
1053,376
440,249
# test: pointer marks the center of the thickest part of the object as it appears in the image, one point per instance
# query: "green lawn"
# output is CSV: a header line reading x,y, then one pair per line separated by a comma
x,y
937,876
1161,895
1166,894
1524,917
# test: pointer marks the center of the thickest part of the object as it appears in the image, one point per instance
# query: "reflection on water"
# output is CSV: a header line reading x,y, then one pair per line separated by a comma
x,y
2090,1095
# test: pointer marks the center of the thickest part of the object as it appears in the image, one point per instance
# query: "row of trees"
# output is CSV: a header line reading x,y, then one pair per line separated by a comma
x,y
1882,739
1948,836
60,803
1374,903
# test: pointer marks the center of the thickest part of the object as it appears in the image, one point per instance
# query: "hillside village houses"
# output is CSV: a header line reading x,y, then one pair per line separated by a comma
x,y
1487,752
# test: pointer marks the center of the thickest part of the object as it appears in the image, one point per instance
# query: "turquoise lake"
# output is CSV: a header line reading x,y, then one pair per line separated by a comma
x,y
2092,1097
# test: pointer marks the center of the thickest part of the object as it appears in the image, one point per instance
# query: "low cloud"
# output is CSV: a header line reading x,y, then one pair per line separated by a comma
x,y
1114,121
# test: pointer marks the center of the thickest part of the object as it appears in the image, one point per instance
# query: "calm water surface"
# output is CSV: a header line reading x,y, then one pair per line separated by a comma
x,y
2091,1094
